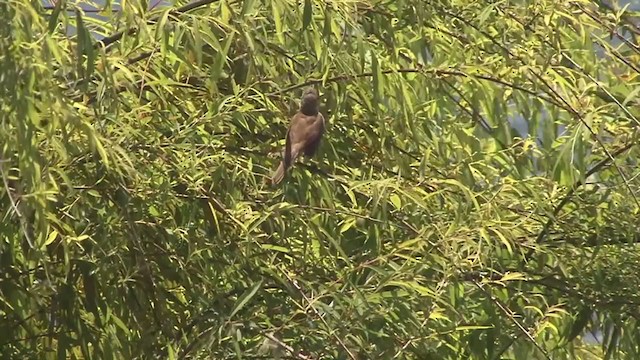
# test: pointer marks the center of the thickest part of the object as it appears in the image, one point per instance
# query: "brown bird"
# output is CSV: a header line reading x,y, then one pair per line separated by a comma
x,y
304,133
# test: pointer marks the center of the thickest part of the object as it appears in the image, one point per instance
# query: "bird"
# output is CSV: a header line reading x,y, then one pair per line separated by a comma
x,y
304,134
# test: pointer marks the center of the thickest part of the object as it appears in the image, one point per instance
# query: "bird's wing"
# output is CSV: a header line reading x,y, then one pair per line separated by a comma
x,y
296,135
322,121
291,150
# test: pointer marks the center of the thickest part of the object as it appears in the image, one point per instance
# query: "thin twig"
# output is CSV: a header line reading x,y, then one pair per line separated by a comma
x,y
14,205
420,69
596,168
6,187
511,317
310,304
291,350
106,41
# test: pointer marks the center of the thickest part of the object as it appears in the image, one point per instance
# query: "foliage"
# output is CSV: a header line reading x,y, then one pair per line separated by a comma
x,y
475,195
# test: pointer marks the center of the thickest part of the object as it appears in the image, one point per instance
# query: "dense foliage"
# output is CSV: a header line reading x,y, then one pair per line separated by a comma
x,y
475,195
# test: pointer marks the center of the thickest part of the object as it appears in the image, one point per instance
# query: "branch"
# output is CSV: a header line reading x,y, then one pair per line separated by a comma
x,y
106,41
291,350
602,164
631,26
511,317
420,69
14,204
315,311
599,240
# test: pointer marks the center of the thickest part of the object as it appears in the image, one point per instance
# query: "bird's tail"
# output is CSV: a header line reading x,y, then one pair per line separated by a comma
x,y
278,175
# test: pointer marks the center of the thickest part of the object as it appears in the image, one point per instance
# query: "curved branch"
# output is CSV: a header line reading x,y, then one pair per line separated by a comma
x,y
596,168
106,41
420,69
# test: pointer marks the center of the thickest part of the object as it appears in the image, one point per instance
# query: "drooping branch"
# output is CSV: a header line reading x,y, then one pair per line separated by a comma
x,y
602,164
106,41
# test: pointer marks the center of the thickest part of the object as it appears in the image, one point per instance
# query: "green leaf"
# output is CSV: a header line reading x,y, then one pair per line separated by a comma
x,y
52,236
378,84
53,18
246,297
248,6
277,18
307,14
395,200
347,224
120,324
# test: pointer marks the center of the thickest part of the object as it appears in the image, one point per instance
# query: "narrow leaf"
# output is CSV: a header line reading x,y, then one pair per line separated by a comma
x,y
246,297
306,15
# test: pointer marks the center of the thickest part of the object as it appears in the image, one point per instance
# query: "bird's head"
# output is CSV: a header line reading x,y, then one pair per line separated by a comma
x,y
310,103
